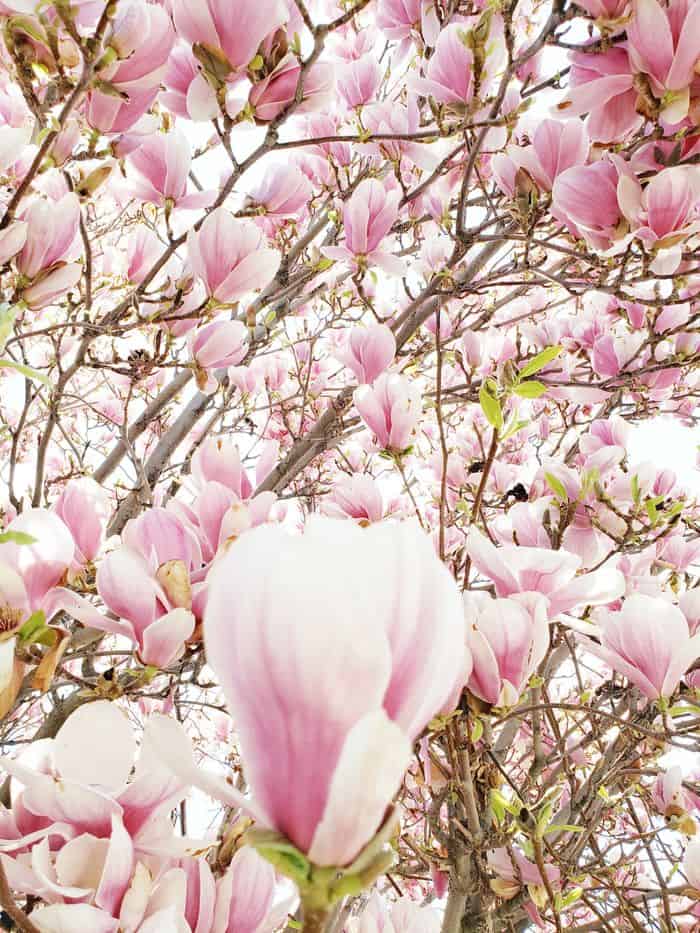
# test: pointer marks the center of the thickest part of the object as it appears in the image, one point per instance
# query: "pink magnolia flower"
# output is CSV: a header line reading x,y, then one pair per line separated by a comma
x,y
508,638
70,793
604,9
12,239
510,878
209,24
670,796
648,641
402,916
283,191
402,19
51,231
278,91
390,659
556,146
368,216
230,256
515,569
245,896
664,44
154,611
359,80
585,197
112,115
449,76
218,459
142,251
394,119
53,284
391,409
142,39
41,564
602,85
663,213
161,165
85,508
358,497
188,93
217,345
368,351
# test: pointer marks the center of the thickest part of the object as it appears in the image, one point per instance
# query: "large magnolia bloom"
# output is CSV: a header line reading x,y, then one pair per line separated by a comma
x,y
334,649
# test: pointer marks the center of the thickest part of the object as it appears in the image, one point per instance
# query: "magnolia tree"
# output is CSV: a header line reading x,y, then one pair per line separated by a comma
x,y
333,595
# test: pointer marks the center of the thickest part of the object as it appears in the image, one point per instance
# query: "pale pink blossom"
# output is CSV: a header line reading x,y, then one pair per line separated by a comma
x,y
664,44
209,24
449,76
275,93
556,146
282,192
648,641
368,351
390,659
358,497
50,234
245,895
664,213
515,569
188,93
161,167
368,216
601,85
84,507
508,638
230,256
219,344
153,609
359,80
585,197
391,409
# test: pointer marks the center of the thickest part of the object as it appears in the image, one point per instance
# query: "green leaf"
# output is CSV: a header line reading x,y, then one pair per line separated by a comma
x,y
532,389
16,537
33,628
540,361
652,511
476,731
557,487
8,313
563,828
26,371
634,486
513,428
683,709
490,406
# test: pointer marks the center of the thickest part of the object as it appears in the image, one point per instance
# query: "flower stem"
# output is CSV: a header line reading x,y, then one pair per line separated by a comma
x,y
315,919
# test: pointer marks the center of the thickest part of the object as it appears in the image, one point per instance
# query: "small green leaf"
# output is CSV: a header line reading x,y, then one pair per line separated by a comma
x,y
563,828
32,629
513,428
476,731
24,370
16,537
557,487
8,313
490,406
540,361
531,389
569,899
634,486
